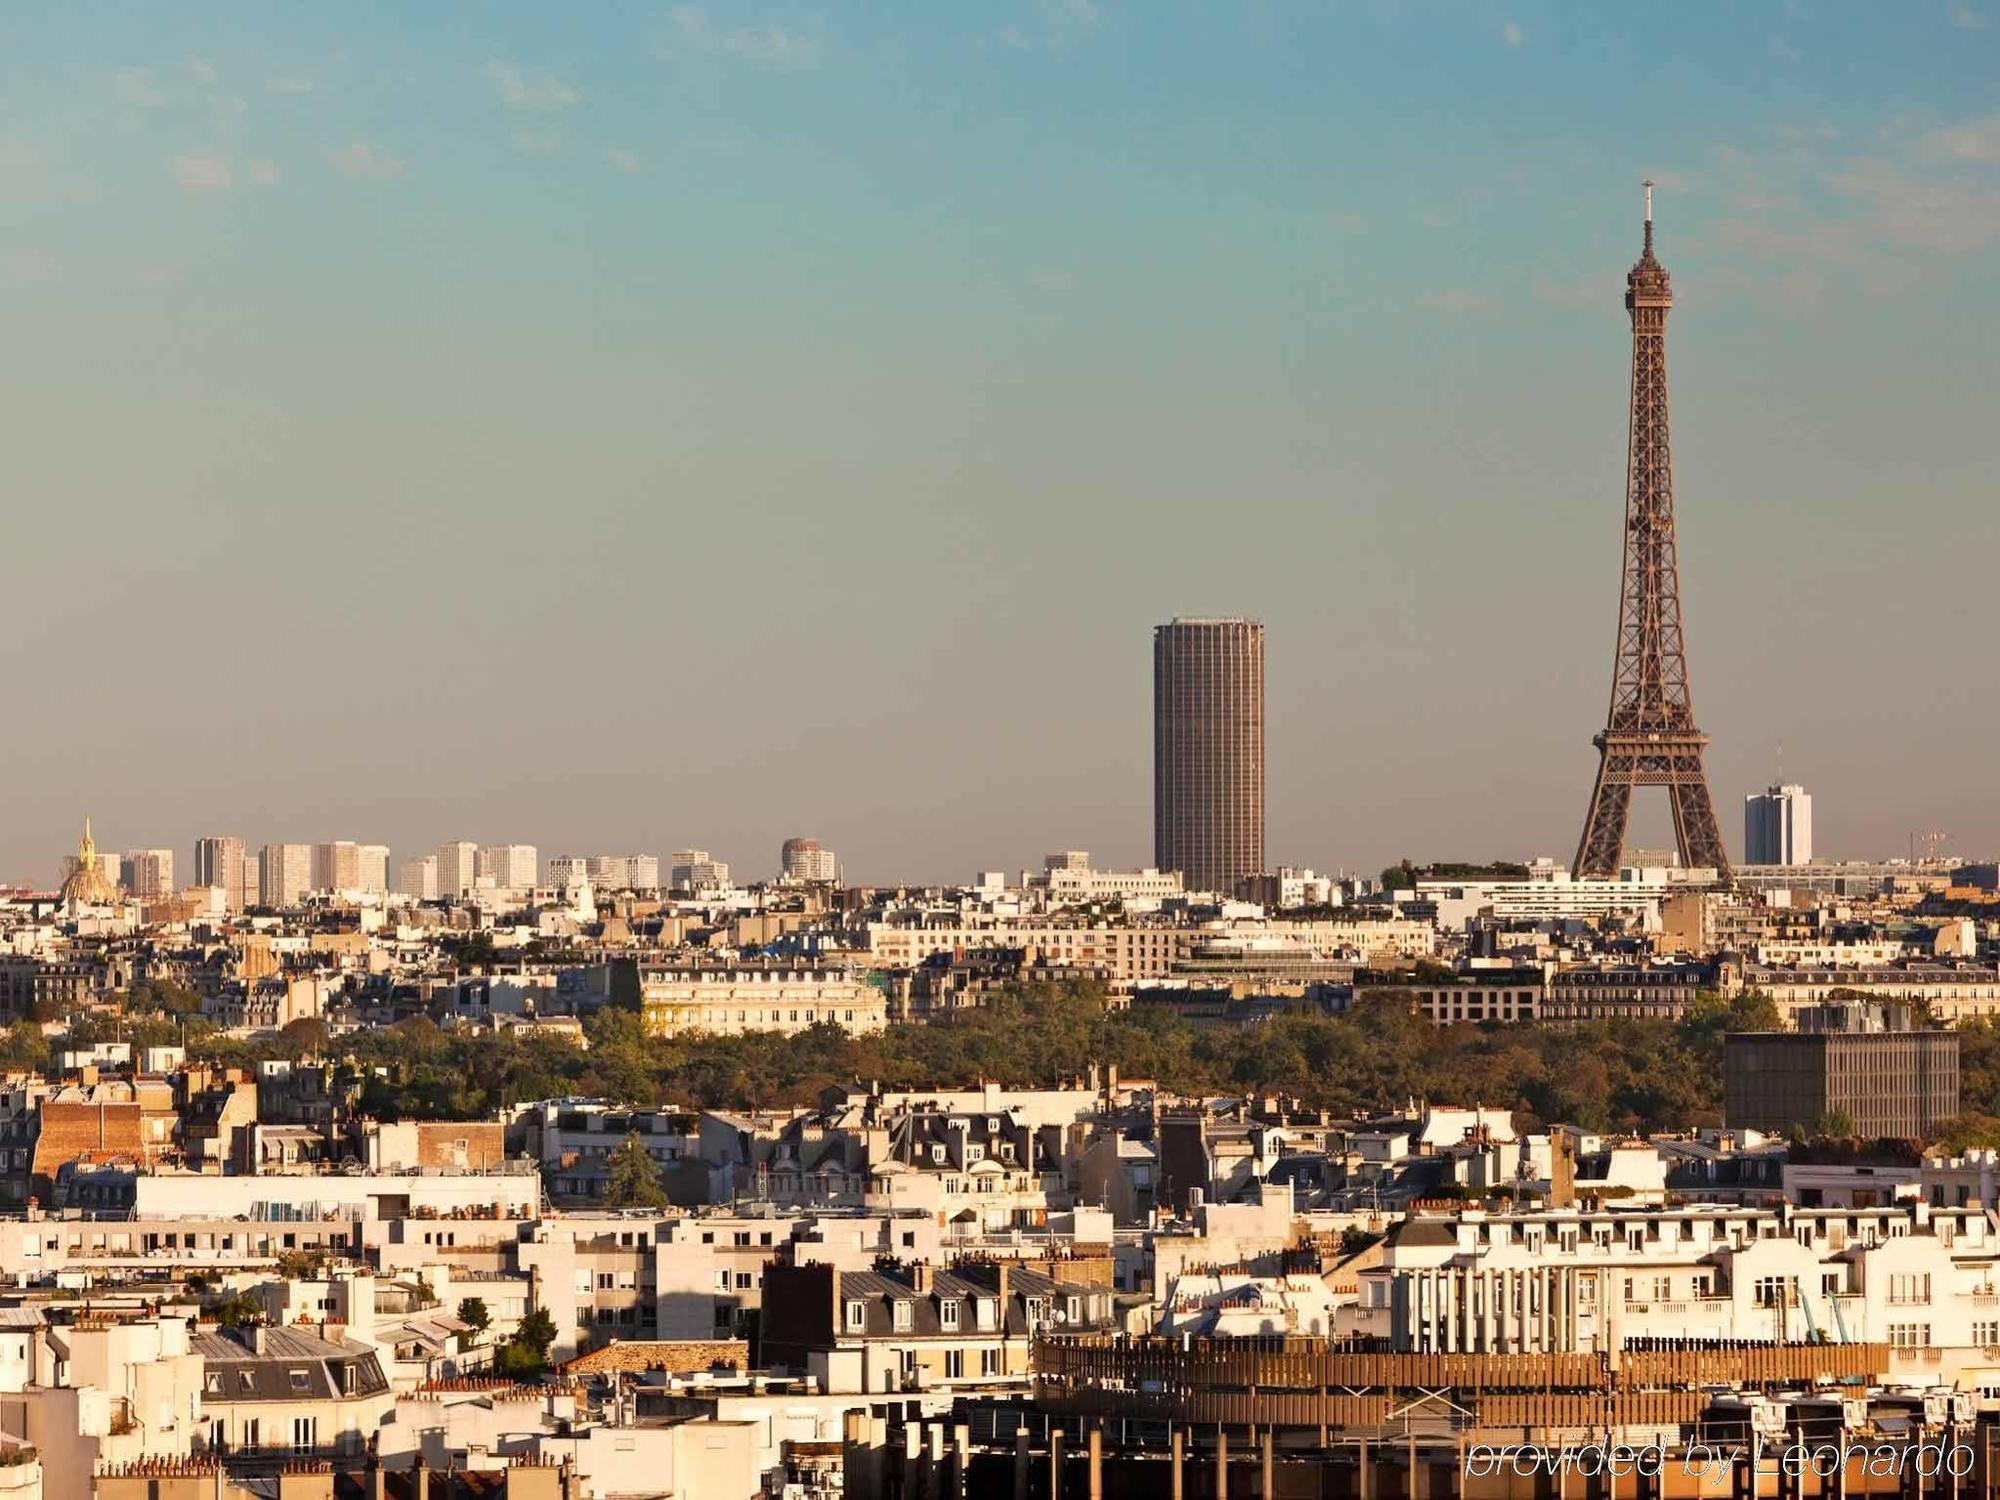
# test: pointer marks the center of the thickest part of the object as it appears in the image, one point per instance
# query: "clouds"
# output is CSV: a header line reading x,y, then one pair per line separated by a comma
x,y
1512,34
1870,217
201,174
534,93
1056,26
621,158
1965,18
766,46
361,162
1969,141
207,172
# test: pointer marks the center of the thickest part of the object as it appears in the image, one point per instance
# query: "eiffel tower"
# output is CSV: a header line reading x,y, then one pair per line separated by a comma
x,y
1649,738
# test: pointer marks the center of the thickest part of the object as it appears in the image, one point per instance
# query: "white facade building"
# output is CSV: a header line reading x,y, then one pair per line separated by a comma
x,y
1777,827
286,872
418,878
148,873
510,867
457,869
697,870
807,862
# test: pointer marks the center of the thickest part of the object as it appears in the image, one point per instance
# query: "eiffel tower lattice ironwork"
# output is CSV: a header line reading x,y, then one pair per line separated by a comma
x,y
1650,737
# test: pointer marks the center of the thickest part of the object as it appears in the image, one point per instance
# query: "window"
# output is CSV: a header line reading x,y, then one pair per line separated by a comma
x,y
989,1361
857,1318
300,1380
948,1315
1907,1287
305,1433
1773,1291
954,1364
1986,1333
1910,1335
902,1317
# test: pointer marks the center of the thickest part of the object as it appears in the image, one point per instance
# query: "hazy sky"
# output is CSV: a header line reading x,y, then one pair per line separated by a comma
x,y
631,426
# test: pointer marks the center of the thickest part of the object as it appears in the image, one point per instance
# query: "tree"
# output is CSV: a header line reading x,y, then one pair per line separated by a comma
x,y
633,1181
1836,1124
472,1312
526,1355
305,1037
237,1310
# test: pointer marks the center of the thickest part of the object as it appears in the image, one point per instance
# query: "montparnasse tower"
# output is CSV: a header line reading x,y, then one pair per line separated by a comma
x,y
86,885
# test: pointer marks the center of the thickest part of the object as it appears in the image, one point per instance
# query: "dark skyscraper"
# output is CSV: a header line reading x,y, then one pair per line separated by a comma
x,y
1208,751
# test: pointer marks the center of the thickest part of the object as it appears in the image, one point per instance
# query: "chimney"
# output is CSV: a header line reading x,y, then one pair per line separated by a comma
x,y
920,1277
1000,1280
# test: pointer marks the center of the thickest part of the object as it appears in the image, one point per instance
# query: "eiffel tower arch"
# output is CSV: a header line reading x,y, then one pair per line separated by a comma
x,y
1649,736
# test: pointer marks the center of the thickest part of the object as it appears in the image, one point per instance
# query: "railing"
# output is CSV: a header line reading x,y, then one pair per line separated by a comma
x,y
1299,1381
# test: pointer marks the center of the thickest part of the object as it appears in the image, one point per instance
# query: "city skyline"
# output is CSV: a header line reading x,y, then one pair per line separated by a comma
x,y
686,354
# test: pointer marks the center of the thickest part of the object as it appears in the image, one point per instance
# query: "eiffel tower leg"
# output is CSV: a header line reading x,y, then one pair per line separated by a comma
x,y
1696,832
1603,843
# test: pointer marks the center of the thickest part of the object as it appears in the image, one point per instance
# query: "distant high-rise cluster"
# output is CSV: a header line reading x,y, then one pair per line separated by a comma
x,y
806,862
1208,751
1777,826
605,872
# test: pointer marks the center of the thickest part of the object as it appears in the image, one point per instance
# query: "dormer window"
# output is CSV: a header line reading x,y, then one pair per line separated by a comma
x,y
857,1317
948,1315
902,1316
988,1313
938,1152
974,1153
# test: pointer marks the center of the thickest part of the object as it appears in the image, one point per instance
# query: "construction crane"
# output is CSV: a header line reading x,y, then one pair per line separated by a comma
x,y
1930,841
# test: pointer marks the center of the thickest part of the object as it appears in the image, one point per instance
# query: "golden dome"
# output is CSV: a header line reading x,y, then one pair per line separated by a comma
x,y
86,885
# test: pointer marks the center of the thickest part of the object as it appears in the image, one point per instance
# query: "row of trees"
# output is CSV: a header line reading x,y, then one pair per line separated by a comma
x,y
1632,1074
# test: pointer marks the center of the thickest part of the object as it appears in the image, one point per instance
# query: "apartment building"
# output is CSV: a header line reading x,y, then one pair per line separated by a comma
x,y
912,1327
732,998
1920,1279
285,1394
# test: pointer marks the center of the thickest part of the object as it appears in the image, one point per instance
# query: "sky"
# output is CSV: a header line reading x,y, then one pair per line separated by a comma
x,y
639,426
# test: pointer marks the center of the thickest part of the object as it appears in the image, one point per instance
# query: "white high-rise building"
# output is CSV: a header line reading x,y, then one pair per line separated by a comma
x,y
641,872
148,873
457,869
336,866
1777,827
511,867
605,872
285,873
806,862
418,878
375,868
695,870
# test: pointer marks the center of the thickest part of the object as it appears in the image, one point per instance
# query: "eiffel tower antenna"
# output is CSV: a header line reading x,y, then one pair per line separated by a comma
x,y
1649,736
